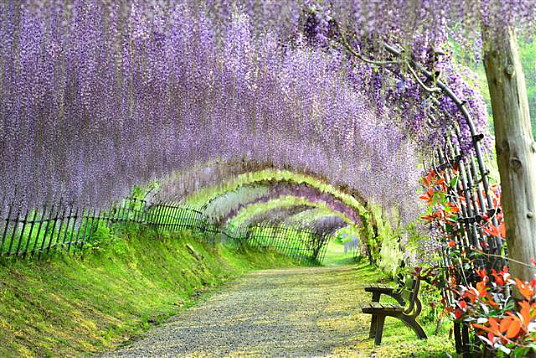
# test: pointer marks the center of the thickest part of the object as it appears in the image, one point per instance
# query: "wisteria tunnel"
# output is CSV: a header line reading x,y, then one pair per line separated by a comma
x,y
282,127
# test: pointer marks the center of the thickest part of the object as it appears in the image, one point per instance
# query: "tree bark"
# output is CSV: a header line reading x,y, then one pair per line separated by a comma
x,y
515,147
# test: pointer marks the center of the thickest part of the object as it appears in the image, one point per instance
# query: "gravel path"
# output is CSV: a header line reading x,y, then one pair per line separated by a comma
x,y
305,312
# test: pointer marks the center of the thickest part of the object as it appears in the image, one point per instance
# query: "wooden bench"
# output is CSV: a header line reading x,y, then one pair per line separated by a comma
x,y
407,310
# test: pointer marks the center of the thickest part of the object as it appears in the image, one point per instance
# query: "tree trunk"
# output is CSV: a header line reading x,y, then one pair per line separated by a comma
x,y
515,147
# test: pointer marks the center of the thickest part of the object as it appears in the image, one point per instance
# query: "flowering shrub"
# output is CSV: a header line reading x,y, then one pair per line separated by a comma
x,y
501,323
478,296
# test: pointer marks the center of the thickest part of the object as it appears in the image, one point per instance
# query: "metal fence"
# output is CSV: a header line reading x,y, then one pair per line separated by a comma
x,y
305,246
64,227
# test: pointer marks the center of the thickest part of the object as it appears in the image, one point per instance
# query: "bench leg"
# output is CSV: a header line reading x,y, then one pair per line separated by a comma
x,y
410,322
372,332
380,320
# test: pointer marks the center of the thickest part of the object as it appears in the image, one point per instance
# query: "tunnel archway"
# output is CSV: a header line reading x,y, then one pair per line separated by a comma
x,y
221,179
292,213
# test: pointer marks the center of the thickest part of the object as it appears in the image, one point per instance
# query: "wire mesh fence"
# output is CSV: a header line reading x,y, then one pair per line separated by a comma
x,y
64,227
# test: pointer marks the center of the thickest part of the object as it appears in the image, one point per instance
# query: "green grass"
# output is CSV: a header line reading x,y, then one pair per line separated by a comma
x,y
74,305
335,255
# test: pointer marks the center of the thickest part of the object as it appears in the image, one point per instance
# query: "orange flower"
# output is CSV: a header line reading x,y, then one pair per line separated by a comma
x,y
526,314
429,179
482,288
438,214
525,289
505,328
495,231
494,327
452,207
513,325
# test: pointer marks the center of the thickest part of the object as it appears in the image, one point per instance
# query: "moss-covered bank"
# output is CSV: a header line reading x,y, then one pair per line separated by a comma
x,y
70,305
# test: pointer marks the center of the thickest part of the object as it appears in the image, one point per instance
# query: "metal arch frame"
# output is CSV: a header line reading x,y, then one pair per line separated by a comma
x,y
442,158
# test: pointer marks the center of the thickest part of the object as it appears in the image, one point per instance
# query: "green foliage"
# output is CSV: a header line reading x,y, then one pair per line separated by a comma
x,y
335,255
141,192
527,52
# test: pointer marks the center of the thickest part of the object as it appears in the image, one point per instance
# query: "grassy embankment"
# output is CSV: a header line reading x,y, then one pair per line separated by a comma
x,y
70,305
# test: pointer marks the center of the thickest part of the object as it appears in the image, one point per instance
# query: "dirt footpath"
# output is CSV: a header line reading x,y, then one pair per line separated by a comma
x,y
305,312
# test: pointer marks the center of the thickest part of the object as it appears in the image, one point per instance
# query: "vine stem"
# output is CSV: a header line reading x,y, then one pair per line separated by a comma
x,y
421,83
363,58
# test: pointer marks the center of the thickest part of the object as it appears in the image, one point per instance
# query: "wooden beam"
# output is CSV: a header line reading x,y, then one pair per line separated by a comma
x,y
515,146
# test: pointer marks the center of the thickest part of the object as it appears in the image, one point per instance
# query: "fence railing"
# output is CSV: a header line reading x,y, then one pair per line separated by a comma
x,y
63,227
302,244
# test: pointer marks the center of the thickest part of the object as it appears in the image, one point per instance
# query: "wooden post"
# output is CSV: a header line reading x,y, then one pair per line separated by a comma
x,y
515,146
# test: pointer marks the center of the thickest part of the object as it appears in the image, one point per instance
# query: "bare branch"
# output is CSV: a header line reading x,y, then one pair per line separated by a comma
x,y
421,83
363,58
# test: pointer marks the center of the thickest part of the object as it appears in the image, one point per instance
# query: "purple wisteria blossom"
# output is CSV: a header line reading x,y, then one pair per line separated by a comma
x,y
98,98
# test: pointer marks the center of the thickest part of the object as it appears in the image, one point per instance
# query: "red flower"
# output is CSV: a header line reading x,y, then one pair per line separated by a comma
x,y
495,231
483,274
429,196
501,277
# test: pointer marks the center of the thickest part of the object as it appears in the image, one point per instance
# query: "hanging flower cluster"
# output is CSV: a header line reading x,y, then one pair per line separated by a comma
x,y
230,204
97,97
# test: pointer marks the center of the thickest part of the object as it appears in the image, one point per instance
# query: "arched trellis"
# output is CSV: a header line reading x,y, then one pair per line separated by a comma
x,y
467,185
282,209
413,71
224,206
474,207
273,215
79,157
226,177
280,215
220,177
